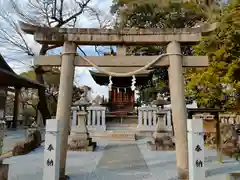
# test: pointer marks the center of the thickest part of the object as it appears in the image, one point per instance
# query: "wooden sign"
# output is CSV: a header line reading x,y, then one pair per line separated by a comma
x,y
204,116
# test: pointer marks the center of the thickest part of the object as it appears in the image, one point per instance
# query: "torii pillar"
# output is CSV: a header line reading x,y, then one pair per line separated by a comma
x,y
65,100
179,110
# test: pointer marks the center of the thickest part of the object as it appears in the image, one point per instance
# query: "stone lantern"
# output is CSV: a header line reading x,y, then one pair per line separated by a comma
x,y
162,139
161,114
79,137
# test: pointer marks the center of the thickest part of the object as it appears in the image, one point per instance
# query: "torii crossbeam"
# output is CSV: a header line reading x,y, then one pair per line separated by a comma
x,y
122,61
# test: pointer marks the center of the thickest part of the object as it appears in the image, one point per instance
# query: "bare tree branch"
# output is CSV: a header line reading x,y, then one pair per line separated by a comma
x,y
82,51
82,8
39,12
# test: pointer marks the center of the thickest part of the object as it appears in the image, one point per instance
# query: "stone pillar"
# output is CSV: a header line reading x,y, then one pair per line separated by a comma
x,y
51,150
65,100
196,149
74,116
179,111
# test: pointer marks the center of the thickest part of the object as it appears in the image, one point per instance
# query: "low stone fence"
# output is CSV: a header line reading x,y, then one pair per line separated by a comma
x,y
147,118
229,118
96,119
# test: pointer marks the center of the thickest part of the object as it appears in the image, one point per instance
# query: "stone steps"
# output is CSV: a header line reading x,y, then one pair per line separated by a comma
x,y
114,135
122,127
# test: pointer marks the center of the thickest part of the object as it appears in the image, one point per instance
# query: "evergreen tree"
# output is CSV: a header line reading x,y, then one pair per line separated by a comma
x,y
219,84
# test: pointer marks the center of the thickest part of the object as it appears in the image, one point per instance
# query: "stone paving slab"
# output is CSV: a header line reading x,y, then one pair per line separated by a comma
x,y
162,165
80,165
12,137
122,162
117,161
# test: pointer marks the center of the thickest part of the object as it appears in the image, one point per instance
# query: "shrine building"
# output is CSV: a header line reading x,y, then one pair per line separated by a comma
x,y
121,96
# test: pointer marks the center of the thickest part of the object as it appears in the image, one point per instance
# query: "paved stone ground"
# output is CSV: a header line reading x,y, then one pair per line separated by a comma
x,y
11,137
117,161
124,161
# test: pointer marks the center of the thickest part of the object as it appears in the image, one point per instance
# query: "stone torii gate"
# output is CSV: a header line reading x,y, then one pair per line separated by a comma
x,y
71,37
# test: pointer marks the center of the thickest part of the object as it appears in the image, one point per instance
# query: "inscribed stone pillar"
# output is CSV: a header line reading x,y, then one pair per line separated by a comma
x,y
196,149
179,111
65,99
51,150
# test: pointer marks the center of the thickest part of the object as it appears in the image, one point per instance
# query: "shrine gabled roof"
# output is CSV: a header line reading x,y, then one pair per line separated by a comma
x,y
103,79
10,78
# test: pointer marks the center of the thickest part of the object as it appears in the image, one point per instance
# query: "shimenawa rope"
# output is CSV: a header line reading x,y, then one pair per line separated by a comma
x,y
128,74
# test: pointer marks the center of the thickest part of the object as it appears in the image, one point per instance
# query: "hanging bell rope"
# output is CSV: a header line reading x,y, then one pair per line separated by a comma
x,y
113,74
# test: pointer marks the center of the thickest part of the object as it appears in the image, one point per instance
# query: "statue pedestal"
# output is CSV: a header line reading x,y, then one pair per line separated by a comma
x,y
162,138
79,137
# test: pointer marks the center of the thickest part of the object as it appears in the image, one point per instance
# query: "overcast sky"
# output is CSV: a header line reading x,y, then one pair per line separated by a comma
x,y
82,75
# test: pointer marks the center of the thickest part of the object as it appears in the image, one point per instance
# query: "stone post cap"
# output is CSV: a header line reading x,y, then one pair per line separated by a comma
x,y
195,125
74,108
82,113
52,125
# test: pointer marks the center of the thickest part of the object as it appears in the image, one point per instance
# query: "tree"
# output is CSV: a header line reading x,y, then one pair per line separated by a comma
x,y
52,81
219,84
38,12
157,14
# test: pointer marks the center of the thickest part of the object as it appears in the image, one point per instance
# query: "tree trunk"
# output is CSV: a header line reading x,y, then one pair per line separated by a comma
x,y
42,105
16,107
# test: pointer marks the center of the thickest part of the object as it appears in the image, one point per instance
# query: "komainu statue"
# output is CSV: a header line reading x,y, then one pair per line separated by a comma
x,y
84,98
98,100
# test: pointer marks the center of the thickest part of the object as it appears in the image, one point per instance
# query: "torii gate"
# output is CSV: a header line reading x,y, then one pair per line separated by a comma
x,y
71,37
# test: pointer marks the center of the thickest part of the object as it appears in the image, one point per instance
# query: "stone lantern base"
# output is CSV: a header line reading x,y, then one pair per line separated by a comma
x,y
162,142
162,139
79,139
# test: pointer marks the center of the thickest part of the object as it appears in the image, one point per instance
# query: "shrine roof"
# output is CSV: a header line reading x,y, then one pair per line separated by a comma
x,y
10,78
103,79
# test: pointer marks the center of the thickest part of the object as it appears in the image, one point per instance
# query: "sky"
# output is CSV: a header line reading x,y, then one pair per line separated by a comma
x,y
82,75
